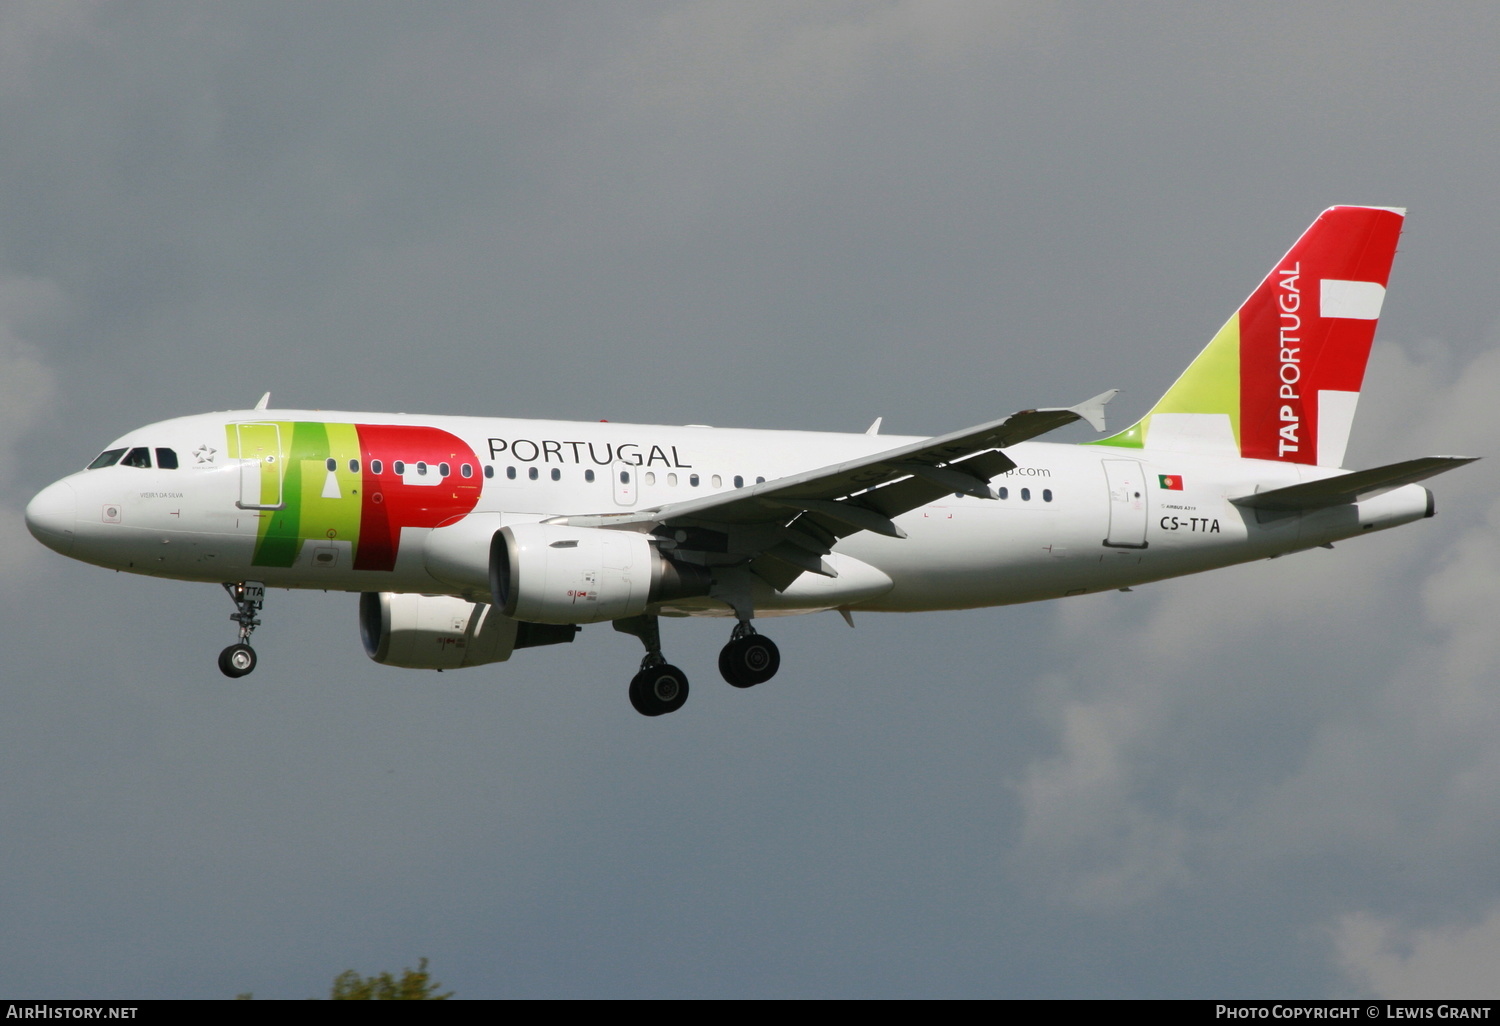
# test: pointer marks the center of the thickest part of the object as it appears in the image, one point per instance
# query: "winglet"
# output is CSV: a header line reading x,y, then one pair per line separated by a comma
x,y
265,401
1092,410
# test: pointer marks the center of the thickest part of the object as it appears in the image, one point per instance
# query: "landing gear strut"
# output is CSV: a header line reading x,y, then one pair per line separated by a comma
x,y
659,687
749,658
248,597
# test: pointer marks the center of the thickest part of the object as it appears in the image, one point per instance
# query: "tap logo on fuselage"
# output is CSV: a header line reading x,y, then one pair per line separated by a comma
x,y
348,485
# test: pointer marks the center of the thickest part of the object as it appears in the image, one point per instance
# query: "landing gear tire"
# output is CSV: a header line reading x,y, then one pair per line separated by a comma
x,y
237,660
749,660
658,690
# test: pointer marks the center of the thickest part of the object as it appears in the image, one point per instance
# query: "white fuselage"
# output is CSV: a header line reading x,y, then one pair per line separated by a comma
x,y
1072,518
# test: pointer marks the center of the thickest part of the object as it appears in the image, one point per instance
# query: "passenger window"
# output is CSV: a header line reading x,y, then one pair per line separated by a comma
x,y
588,475
556,474
399,467
672,480
718,482
376,467
107,458
1025,494
166,459
140,456
531,473
1046,494
651,477
1004,492
739,482
421,469
446,471
354,466
760,480
332,463
624,477
466,470
693,480
510,473
489,471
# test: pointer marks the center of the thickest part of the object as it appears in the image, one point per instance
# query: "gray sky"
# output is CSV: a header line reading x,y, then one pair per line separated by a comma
x,y
1275,780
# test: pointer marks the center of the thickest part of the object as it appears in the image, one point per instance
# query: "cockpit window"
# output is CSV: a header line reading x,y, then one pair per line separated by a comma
x,y
107,458
140,456
166,459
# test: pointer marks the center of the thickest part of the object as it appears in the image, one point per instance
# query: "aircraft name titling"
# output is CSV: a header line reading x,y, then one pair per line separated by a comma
x,y
525,450
1290,303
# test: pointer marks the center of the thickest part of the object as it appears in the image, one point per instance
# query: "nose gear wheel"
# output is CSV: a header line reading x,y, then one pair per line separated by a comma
x,y
248,598
237,660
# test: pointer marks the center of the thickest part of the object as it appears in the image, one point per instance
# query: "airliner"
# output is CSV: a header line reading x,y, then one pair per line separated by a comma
x,y
469,538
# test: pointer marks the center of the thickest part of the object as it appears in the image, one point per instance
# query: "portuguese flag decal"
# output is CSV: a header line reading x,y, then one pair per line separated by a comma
x,y
1170,482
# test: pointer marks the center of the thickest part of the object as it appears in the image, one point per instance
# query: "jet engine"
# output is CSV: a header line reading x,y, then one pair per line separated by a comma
x,y
553,574
440,632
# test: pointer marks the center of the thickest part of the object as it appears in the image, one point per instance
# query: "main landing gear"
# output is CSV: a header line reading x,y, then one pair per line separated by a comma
x,y
659,688
749,658
248,597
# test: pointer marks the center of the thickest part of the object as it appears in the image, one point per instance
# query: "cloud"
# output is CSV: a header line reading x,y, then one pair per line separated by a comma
x,y
30,30
28,389
697,57
1455,961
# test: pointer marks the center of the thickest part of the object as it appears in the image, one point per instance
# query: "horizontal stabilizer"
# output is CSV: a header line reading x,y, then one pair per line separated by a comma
x,y
1346,488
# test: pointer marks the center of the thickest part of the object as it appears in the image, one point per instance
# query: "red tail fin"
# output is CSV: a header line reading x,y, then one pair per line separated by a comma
x,y
1280,380
1305,336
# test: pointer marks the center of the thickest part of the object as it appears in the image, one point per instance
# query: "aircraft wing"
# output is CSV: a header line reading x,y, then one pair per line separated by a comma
x,y
784,527
1346,488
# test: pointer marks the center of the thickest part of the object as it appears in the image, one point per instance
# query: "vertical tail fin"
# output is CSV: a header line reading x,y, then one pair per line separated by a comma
x,y
1280,380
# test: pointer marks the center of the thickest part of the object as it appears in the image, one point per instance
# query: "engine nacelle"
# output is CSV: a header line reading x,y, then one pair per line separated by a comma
x,y
549,573
439,632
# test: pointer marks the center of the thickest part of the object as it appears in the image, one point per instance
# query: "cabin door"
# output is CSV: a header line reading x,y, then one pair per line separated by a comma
x,y
261,469
1127,504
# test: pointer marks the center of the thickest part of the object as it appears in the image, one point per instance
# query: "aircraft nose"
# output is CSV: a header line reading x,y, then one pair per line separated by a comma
x,y
51,516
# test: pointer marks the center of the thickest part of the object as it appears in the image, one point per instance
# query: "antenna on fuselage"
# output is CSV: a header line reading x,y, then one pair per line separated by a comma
x,y
265,401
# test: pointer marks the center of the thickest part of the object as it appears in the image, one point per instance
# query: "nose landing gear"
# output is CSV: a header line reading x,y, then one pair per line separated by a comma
x,y
248,597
